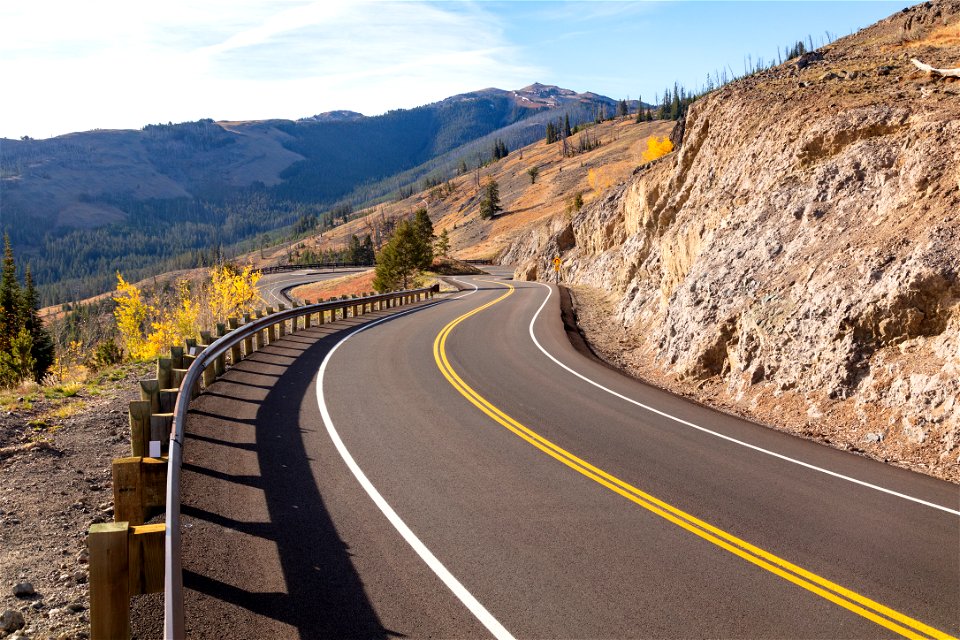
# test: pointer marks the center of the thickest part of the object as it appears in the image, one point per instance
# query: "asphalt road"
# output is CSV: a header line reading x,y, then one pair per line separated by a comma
x,y
273,286
451,479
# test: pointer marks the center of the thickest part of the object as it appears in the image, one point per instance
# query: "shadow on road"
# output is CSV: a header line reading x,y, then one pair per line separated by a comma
x,y
252,508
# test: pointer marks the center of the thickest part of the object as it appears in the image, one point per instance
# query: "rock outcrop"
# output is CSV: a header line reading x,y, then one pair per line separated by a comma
x,y
802,247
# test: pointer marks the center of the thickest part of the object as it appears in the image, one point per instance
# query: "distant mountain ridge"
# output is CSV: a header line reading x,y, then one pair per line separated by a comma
x,y
81,206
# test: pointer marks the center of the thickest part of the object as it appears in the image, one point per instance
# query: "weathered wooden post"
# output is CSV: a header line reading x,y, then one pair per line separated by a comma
x,y
262,334
295,320
220,364
272,329
164,377
168,400
150,391
161,424
109,580
234,323
306,319
139,488
139,414
176,357
124,561
283,323
248,341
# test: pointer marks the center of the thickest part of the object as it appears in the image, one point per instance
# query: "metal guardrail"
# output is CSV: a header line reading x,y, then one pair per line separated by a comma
x,y
173,617
315,265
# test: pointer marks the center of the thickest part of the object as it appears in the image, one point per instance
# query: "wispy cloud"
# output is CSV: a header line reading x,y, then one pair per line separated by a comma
x,y
122,64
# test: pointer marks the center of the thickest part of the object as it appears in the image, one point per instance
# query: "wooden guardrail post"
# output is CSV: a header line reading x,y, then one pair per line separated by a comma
x,y
262,334
145,558
160,427
125,561
209,375
177,376
321,315
109,580
235,354
220,364
295,321
176,357
282,325
168,399
248,341
139,488
306,319
164,376
272,329
150,391
139,413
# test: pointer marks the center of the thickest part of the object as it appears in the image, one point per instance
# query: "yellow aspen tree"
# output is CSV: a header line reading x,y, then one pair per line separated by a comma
x,y
131,315
187,314
656,148
233,293
164,334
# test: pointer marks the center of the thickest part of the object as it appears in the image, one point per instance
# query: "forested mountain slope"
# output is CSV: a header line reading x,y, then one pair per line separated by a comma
x,y
79,207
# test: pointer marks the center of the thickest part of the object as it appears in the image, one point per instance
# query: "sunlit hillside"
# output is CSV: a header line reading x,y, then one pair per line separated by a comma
x,y
456,207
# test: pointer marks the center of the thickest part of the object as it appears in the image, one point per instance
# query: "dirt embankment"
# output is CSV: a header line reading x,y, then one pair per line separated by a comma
x,y
798,259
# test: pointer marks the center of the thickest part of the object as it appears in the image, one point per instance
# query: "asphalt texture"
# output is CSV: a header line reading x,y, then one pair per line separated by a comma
x,y
280,540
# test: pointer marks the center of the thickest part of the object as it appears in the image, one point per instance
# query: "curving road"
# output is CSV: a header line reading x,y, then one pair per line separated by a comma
x,y
459,470
273,286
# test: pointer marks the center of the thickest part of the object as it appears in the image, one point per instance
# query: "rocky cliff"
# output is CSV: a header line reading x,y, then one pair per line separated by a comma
x,y
798,258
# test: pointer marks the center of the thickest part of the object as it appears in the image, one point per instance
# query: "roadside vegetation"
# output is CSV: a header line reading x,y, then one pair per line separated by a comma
x,y
147,327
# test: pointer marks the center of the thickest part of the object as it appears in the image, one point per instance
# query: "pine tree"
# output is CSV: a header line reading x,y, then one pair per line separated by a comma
x,y
21,356
42,351
367,253
355,249
10,301
399,260
423,253
490,205
441,245
566,125
551,133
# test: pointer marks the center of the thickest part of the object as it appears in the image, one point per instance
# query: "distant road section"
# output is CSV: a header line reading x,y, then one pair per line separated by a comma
x,y
273,285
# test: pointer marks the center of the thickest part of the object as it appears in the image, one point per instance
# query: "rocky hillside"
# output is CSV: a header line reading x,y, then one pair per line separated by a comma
x,y
798,259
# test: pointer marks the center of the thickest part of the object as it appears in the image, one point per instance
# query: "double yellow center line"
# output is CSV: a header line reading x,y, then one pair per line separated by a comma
x,y
851,600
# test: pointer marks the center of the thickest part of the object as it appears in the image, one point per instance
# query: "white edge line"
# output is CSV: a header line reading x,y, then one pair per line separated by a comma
x,y
720,435
475,288
477,609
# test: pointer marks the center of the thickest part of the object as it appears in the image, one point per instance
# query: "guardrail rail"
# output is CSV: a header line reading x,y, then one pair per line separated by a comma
x,y
128,557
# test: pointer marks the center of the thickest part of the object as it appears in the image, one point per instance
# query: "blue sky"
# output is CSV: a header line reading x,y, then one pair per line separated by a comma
x,y
73,66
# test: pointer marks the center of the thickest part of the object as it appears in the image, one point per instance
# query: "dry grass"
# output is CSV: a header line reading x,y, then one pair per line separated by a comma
x,y
946,36
353,284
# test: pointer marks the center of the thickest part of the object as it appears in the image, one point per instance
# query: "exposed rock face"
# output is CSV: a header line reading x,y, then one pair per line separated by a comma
x,y
804,240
